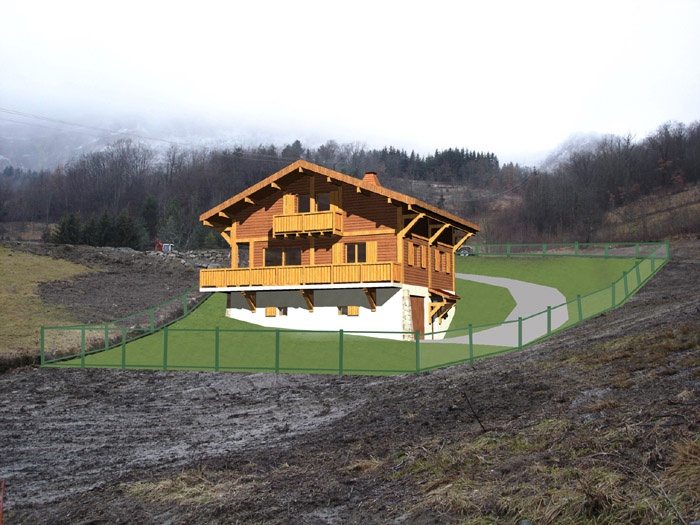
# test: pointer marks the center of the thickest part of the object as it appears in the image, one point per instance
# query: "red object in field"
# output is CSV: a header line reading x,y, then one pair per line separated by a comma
x,y
158,248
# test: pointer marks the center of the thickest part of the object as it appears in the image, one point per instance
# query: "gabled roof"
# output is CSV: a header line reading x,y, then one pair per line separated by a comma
x,y
276,181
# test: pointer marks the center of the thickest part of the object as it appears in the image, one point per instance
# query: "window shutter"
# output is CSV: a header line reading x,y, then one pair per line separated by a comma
x,y
372,251
423,256
337,253
287,204
411,254
270,311
335,199
353,310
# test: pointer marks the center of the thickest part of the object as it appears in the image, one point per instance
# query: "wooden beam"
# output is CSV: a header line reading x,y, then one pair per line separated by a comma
x,y
308,296
410,225
437,234
371,294
459,243
249,200
275,186
227,237
250,297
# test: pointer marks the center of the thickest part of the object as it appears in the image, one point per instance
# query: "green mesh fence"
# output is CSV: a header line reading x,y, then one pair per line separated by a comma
x,y
122,343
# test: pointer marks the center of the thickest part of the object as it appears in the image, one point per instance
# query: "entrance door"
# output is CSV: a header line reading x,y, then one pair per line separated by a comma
x,y
418,314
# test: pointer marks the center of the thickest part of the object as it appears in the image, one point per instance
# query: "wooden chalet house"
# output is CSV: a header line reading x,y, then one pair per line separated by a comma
x,y
315,249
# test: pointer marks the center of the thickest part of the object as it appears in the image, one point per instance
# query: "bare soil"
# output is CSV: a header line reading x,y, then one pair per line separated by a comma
x,y
603,408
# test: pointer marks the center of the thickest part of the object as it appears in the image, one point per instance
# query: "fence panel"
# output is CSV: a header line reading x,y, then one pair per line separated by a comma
x,y
122,342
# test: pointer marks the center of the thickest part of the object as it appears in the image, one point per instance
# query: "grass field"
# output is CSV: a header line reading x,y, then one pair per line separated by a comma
x,y
194,342
572,276
23,311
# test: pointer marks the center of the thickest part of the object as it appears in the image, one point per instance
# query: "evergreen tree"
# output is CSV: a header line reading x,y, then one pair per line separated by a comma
x,y
149,214
68,230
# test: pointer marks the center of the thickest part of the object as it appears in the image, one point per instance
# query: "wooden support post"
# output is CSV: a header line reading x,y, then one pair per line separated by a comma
x,y
308,296
371,294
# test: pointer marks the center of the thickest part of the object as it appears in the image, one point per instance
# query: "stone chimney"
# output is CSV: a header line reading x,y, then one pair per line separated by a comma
x,y
371,178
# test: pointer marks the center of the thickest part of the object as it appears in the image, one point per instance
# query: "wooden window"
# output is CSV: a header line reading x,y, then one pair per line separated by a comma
x,y
282,310
282,256
323,201
304,204
356,252
352,311
273,257
270,311
423,255
243,255
437,260
448,262
292,257
410,259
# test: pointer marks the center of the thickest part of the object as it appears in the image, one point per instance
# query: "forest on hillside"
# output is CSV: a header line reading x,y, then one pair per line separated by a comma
x,y
129,193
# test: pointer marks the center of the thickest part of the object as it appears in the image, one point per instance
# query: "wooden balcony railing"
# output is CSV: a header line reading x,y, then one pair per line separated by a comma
x,y
384,272
308,223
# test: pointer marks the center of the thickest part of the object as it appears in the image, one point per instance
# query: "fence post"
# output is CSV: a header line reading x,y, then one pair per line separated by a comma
x,y
123,347
471,345
106,336
544,249
580,310
653,263
151,314
607,247
277,351
576,248
613,294
639,277
549,320
520,333
216,350
82,347
416,334
42,347
636,250
508,249
165,348
184,305
624,280
340,352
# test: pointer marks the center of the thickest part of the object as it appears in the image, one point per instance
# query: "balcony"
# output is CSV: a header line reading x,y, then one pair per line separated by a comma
x,y
296,276
319,222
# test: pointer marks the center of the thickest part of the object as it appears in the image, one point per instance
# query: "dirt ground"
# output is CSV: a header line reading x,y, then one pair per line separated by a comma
x,y
619,392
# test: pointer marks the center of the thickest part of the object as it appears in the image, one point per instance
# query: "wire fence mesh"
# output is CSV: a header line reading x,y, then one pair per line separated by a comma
x,y
122,343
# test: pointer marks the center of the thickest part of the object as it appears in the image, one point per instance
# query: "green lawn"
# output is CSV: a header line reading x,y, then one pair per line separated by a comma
x,y
591,278
194,343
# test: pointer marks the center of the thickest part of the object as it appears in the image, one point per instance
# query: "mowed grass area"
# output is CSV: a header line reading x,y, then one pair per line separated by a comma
x,y
22,312
192,342
572,276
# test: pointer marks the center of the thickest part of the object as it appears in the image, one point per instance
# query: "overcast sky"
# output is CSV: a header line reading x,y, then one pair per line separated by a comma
x,y
512,77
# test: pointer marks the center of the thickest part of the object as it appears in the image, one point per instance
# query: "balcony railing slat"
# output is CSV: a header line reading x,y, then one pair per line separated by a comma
x,y
300,275
308,223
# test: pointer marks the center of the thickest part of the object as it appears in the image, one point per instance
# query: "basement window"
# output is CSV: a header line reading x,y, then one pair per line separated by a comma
x,y
351,311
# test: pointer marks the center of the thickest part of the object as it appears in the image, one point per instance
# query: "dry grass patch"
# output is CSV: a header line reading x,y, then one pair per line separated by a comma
x,y
192,488
23,312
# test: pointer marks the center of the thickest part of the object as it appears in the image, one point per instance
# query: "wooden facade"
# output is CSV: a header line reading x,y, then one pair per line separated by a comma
x,y
308,227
